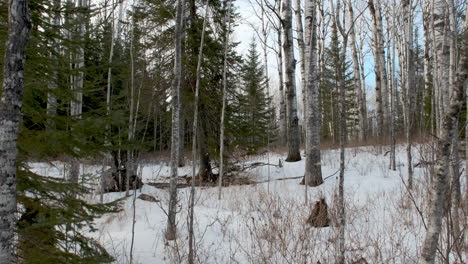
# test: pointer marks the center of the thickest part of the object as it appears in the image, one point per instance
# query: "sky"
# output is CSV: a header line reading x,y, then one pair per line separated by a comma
x,y
244,33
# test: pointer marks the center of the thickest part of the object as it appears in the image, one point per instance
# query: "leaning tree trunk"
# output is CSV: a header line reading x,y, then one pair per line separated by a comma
x,y
171,216
313,169
444,143
290,81
191,255
10,115
357,77
302,58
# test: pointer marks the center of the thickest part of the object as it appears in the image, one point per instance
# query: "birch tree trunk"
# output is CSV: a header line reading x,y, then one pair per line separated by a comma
x,y
53,84
191,255
357,76
444,143
171,216
313,168
409,63
376,47
290,82
282,112
76,105
342,129
10,116
300,44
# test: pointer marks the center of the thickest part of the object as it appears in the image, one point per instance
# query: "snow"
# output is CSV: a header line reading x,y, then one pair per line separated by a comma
x,y
251,225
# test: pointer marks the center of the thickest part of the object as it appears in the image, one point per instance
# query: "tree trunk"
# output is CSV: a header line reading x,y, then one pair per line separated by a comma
x,y
376,36
175,92
409,63
357,77
76,105
191,255
342,129
53,84
227,24
282,111
439,184
313,170
10,116
300,44
291,102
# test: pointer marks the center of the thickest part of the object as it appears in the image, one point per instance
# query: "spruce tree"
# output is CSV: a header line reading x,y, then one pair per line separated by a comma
x,y
254,106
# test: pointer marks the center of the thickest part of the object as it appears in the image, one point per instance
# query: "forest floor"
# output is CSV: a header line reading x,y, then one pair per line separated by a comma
x,y
266,222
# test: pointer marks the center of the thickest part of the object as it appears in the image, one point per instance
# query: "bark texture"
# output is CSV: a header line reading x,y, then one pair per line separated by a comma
x,y
175,92
439,184
293,136
377,48
10,115
357,77
313,170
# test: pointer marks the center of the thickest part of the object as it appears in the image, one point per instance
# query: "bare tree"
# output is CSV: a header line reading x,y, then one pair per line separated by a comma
x,y
439,184
379,61
171,221
313,169
357,76
293,136
195,139
301,46
19,26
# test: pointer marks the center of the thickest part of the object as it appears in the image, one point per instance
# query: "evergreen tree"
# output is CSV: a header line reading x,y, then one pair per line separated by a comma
x,y
329,92
255,114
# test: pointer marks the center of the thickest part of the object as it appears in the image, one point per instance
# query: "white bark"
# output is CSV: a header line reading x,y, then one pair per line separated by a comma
x,y
76,104
342,130
282,111
357,76
293,136
410,92
377,48
439,184
175,103
300,44
313,170
10,116
196,139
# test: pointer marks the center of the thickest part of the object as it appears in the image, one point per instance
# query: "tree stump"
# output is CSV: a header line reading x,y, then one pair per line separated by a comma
x,y
319,216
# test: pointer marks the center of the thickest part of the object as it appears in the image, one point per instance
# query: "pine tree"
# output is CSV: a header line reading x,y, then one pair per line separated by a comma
x,y
254,106
329,92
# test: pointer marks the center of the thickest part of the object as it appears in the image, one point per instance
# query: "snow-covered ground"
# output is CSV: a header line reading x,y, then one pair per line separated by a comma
x,y
266,222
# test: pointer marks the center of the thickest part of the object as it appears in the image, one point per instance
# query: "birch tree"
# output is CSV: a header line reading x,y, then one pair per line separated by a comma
x,y
53,83
357,76
407,8
438,187
76,104
195,139
293,134
379,64
171,221
313,169
10,116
